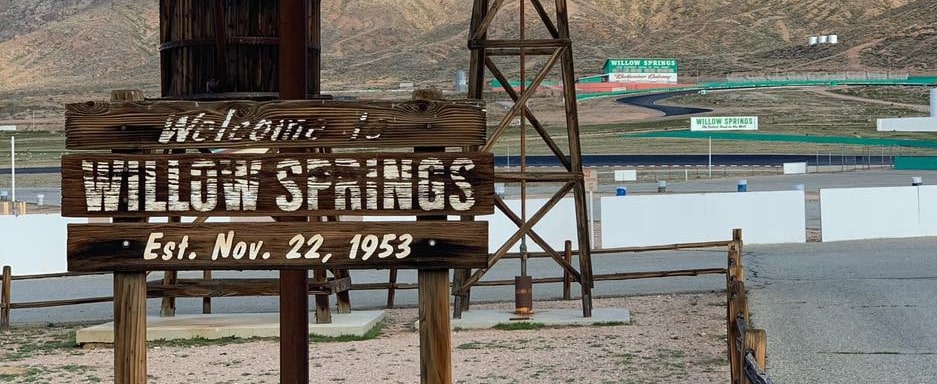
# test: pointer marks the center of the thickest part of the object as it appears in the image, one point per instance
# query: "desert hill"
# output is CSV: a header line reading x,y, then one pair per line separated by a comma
x,y
78,46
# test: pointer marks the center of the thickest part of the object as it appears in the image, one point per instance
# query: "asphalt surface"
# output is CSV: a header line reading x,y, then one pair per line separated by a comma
x,y
840,312
849,312
650,101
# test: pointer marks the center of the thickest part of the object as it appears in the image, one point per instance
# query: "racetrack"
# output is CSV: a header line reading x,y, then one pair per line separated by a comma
x,y
650,101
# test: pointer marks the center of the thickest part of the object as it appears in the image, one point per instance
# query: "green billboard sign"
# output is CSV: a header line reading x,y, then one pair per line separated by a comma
x,y
641,65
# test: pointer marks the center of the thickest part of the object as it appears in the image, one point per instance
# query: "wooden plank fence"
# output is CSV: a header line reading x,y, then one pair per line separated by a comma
x,y
206,288
747,347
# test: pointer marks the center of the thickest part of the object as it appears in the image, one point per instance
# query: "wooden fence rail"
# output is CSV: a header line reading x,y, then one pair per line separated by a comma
x,y
747,347
734,267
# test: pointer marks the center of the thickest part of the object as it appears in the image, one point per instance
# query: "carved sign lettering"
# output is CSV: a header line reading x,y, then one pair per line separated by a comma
x,y
247,246
277,185
296,123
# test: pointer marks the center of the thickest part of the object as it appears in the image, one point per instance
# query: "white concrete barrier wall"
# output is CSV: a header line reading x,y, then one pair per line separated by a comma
x,y
765,218
795,168
556,227
907,124
34,244
870,213
927,209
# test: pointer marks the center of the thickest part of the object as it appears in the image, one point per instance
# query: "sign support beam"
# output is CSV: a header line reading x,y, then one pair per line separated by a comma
x,y
129,306
294,302
435,328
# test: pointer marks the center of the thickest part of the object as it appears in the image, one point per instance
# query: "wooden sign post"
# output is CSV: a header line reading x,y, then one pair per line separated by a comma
x,y
129,298
291,185
294,300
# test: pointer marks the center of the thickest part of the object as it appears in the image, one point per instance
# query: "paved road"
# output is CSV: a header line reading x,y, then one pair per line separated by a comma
x,y
849,312
650,101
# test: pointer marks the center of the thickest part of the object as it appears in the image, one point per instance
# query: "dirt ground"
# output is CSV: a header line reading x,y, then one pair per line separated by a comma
x,y
672,338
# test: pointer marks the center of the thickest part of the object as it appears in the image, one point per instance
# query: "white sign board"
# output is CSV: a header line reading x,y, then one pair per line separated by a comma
x,y
626,175
725,123
907,124
644,78
795,168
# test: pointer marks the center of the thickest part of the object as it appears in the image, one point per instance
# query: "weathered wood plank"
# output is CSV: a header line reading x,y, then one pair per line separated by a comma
x,y
284,123
237,287
282,245
277,184
5,297
129,328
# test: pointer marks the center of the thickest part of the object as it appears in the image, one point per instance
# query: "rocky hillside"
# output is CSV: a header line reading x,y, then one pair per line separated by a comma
x,y
78,46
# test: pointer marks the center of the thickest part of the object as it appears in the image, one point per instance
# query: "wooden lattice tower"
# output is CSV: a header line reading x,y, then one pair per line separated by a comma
x,y
556,48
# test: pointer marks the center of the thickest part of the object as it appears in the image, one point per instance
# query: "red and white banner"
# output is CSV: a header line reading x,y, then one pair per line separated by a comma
x,y
652,78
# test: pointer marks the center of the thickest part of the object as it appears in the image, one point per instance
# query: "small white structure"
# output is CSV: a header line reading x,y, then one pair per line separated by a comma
x,y
812,40
461,81
833,39
907,124
933,103
626,175
795,168
912,124
824,39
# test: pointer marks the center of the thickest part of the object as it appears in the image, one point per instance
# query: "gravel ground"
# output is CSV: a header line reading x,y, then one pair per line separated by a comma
x,y
672,338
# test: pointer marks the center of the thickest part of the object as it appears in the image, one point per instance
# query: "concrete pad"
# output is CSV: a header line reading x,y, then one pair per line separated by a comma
x,y
476,319
242,325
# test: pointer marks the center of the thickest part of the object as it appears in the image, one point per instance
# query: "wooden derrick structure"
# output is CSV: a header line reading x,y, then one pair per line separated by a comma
x,y
225,49
556,52
214,51
228,50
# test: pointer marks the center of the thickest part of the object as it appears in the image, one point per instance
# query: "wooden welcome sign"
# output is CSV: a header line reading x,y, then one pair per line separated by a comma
x,y
276,184
287,123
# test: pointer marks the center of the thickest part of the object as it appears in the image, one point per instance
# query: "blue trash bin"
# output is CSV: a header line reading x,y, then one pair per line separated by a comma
x,y
621,191
743,186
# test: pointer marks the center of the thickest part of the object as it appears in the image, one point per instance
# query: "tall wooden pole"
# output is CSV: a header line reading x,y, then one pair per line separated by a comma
x,y
294,302
575,158
433,284
435,332
129,307
475,91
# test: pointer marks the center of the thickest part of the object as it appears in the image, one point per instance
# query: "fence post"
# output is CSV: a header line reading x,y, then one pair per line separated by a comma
x,y
391,287
343,298
168,303
737,305
737,270
567,278
206,301
731,311
323,313
756,340
5,298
